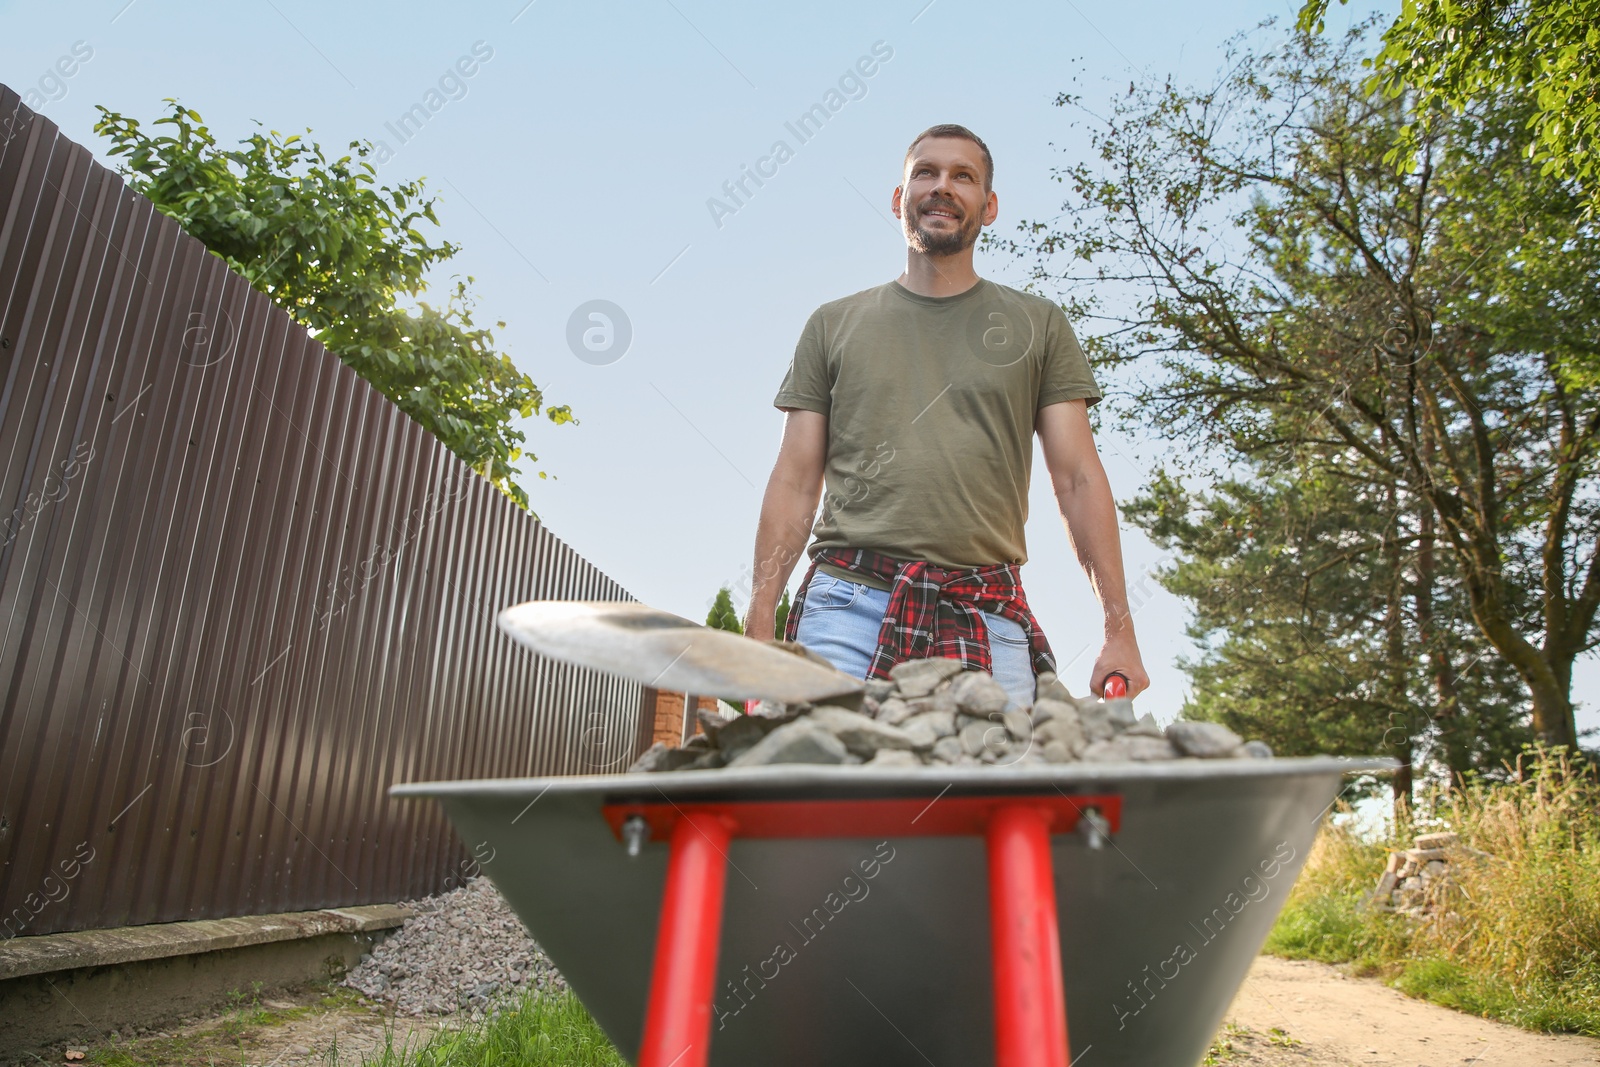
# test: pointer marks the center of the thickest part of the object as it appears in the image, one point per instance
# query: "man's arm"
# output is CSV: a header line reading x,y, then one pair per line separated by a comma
x,y
1084,496
787,511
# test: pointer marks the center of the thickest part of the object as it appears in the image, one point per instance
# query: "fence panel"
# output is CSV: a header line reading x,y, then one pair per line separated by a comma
x,y
240,592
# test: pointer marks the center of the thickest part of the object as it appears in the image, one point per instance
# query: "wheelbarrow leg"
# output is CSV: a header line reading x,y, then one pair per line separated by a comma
x,y
1030,1011
677,1025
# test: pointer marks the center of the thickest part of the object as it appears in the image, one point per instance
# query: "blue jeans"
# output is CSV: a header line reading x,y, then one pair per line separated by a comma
x,y
840,622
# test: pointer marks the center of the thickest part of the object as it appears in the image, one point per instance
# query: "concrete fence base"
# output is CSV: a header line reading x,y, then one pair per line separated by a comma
x,y
80,986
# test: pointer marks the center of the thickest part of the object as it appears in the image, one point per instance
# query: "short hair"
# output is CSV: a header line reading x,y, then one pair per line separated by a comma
x,y
950,129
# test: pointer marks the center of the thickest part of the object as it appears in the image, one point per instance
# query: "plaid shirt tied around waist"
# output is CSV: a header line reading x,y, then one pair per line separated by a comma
x,y
914,627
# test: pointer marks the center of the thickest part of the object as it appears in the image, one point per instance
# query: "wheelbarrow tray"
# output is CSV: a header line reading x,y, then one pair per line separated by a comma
x,y
852,950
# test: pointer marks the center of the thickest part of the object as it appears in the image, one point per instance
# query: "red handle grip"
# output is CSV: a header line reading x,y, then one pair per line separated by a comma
x,y
1115,685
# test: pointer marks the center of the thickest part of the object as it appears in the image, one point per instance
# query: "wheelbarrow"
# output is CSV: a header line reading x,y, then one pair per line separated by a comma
x,y
1029,916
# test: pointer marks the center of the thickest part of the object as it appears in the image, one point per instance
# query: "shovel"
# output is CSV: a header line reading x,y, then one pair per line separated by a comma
x,y
664,651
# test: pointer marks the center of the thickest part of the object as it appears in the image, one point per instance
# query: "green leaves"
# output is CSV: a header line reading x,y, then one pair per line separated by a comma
x,y
1452,55
343,256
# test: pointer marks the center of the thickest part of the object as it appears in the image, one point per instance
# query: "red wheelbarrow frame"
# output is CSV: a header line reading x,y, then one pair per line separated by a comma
x,y
1030,1004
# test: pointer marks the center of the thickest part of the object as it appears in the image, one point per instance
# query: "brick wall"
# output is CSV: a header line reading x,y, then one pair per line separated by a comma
x,y
668,716
669,719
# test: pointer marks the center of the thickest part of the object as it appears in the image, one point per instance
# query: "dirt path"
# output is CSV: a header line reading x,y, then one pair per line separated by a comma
x,y
1330,1020
1287,1014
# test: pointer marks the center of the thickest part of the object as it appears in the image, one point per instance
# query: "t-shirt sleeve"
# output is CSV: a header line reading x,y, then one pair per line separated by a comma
x,y
807,385
1066,369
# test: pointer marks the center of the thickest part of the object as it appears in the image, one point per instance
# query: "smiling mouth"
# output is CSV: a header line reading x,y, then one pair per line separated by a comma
x,y
940,213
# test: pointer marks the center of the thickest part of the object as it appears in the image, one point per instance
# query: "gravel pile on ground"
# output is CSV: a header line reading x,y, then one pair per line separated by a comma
x,y
462,949
932,712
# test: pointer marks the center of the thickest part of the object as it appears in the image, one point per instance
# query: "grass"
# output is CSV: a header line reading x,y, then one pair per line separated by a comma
x,y
536,1031
1515,936
1279,1037
1223,1048
223,1041
1234,1040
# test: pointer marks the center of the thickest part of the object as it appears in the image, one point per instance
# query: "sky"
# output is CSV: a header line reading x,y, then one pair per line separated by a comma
x,y
578,152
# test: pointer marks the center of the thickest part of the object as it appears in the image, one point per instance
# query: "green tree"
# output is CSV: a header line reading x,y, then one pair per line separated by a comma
x,y
344,257
1287,299
1454,54
722,615
782,615
1326,623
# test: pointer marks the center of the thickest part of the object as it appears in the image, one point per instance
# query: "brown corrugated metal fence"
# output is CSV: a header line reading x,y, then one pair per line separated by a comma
x,y
240,593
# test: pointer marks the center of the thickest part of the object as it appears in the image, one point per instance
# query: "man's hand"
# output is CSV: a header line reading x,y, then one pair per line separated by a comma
x,y
1121,655
1084,496
787,510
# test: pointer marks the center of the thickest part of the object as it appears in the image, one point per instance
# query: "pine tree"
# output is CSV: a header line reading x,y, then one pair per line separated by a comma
x,y
783,615
722,616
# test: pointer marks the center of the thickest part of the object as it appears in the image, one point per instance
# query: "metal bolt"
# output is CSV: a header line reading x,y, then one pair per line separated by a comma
x,y
1094,828
634,831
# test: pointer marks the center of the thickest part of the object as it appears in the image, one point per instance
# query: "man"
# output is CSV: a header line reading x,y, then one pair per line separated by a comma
x,y
914,404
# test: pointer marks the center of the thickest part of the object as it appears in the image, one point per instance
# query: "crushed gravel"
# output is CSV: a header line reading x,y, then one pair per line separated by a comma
x,y
934,711
462,950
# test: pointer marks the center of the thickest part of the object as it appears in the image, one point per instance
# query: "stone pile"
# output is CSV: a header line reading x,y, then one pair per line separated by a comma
x,y
932,712
1415,880
462,950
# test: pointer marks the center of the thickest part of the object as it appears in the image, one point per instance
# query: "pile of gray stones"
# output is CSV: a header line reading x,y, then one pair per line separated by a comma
x,y
462,951
933,712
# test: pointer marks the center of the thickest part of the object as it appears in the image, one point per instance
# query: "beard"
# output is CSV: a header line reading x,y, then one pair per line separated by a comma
x,y
943,242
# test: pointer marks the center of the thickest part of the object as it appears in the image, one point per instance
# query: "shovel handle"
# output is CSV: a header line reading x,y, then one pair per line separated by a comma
x,y
1115,685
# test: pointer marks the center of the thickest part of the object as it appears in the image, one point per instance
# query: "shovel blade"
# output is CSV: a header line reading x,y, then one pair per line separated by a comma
x,y
665,651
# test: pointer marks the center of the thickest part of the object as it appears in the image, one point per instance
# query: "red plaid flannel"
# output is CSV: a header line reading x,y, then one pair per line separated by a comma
x,y
915,627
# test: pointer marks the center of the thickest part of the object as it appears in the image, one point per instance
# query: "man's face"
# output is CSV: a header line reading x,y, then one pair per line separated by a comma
x,y
943,206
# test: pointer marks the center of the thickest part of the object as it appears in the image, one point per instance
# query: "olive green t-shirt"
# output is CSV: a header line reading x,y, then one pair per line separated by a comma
x,y
930,404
